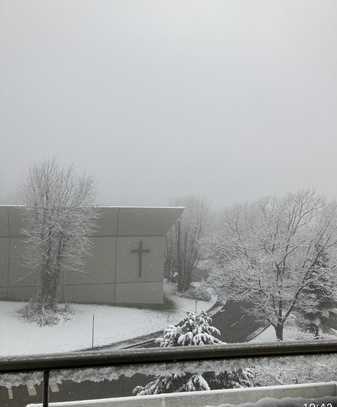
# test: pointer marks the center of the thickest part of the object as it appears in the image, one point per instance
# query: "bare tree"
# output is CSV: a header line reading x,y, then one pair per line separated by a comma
x,y
268,253
59,219
183,241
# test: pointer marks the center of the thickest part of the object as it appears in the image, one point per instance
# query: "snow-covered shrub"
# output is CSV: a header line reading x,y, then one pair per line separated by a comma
x,y
162,384
192,330
168,383
196,383
233,379
200,292
35,312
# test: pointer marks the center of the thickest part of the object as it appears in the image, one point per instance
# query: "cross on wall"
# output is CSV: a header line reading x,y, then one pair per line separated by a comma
x,y
140,251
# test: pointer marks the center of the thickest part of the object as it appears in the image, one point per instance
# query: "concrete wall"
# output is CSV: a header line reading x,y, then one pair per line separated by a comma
x,y
222,398
111,274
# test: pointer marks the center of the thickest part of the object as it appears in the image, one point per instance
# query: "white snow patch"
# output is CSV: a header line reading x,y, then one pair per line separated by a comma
x,y
291,333
268,335
112,324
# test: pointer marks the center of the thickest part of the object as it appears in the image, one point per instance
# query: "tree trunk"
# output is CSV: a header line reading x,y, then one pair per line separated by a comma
x,y
46,296
50,278
187,277
180,271
279,331
48,289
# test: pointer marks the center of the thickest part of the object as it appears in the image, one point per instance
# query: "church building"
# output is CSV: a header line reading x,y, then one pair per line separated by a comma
x,y
126,265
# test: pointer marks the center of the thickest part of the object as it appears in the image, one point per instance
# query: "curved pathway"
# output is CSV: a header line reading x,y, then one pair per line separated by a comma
x,y
231,319
234,323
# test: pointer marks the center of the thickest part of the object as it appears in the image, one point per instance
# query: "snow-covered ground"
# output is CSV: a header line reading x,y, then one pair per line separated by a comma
x,y
112,324
291,333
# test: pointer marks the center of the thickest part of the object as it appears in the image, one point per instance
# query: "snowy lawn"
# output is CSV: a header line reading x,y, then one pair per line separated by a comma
x,y
112,324
291,333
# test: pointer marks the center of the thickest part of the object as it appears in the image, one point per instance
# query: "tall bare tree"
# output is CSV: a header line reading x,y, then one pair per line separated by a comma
x,y
183,247
59,219
268,253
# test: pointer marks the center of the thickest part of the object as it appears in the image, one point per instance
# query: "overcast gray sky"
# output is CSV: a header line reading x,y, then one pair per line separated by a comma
x,y
231,100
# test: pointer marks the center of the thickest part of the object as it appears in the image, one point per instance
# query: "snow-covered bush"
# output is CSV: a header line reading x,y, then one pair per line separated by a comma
x,y
201,292
173,382
233,379
34,311
162,384
196,383
194,330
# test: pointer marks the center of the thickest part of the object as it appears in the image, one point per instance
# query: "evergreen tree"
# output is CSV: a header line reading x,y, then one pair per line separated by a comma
x,y
318,297
193,330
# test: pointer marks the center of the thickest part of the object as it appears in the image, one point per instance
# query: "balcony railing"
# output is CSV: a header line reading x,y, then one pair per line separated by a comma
x,y
82,360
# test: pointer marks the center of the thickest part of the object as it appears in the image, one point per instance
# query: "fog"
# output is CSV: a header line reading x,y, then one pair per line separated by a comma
x,y
230,100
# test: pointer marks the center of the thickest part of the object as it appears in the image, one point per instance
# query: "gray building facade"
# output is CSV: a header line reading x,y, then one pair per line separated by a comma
x,y
125,266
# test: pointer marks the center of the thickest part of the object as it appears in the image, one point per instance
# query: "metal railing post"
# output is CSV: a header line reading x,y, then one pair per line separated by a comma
x,y
45,389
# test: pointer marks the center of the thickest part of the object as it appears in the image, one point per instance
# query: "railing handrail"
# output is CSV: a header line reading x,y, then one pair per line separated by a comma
x,y
72,360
